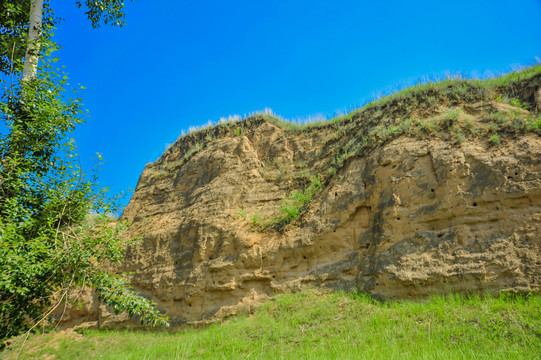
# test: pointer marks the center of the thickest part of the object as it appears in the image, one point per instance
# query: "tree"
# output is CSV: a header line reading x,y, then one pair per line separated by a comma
x,y
47,244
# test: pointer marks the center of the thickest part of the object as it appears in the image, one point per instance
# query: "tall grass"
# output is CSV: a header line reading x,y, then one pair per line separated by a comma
x,y
317,325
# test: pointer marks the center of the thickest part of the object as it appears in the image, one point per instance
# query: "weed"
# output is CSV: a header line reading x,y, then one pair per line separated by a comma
x,y
453,114
460,136
393,129
406,124
256,220
492,127
241,214
517,103
495,139
534,124
497,116
331,171
470,126
518,124
239,131
294,203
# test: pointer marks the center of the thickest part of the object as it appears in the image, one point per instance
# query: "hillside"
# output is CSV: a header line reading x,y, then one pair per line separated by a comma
x,y
432,190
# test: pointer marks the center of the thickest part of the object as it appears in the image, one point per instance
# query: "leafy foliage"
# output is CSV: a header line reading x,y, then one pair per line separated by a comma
x,y
46,247
13,31
108,12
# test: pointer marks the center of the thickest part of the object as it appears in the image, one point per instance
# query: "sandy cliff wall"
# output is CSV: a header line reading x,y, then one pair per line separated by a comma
x,y
445,199
413,218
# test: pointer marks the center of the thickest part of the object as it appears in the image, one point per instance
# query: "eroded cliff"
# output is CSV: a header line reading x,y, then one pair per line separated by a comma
x,y
428,194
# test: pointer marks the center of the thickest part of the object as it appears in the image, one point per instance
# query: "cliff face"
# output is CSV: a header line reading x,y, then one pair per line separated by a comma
x,y
443,196
412,218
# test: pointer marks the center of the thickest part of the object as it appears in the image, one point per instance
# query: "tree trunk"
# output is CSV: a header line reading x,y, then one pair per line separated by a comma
x,y
31,57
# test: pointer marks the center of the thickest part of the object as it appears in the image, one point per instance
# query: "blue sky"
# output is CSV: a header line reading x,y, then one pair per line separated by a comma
x,y
181,63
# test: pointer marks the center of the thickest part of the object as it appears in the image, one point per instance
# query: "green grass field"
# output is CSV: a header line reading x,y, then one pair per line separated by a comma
x,y
316,325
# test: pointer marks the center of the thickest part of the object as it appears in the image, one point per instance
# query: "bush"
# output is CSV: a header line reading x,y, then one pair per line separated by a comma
x,y
46,247
293,204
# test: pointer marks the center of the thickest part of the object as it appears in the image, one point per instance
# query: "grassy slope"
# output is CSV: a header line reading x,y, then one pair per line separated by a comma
x,y
319,325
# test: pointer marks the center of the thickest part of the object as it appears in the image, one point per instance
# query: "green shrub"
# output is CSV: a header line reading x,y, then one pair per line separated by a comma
x,y
294,203
517,103
495,139
239,132
534,124
492,127
256,220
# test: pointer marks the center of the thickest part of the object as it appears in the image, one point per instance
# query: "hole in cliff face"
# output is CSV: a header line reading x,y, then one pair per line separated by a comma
x,y
274,276
497,208
510,178
190,305
397,218
516,174
440,235
432,190
335,194
474,204
304,257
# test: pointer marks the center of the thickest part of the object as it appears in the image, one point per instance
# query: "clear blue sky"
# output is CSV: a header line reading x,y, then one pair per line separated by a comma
x,y
181,63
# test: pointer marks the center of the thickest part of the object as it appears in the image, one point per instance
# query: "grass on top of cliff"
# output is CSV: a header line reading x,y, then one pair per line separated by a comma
x,y
317,325
451,90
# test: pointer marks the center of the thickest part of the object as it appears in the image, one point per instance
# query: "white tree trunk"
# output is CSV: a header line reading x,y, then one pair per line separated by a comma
x,y
31,57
